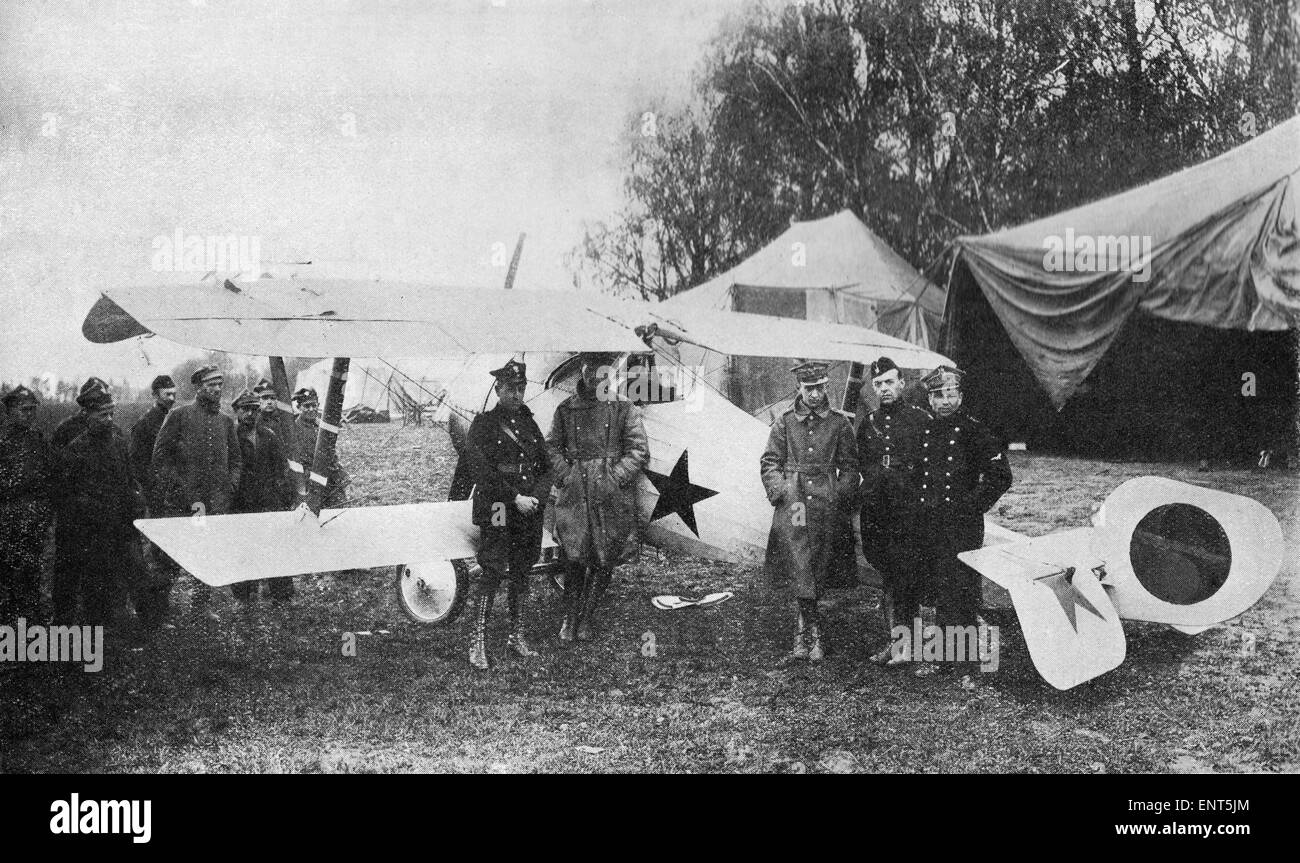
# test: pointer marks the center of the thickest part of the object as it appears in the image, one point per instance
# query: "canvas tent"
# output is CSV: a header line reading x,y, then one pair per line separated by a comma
x,y
832,269
1171,299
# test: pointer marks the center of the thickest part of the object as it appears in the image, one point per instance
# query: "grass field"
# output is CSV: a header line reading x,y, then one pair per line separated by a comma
x,y
273,691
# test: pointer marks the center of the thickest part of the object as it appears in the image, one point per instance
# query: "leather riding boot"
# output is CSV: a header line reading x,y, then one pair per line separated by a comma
x,y
516,642
573,585
800,650
478,639
815,651
597,581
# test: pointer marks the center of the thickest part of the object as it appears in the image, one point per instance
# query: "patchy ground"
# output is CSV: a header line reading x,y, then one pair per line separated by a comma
x,y
690,691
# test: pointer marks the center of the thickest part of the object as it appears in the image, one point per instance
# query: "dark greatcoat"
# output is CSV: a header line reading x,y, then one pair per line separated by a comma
x,y
144,434
264,481
810,473
505,455
889,454
503,467
67,431
26,482
598,448
197,445
97,498
963,472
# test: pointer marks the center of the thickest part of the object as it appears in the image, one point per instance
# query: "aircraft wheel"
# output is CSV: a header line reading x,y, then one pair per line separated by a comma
x,y
433,592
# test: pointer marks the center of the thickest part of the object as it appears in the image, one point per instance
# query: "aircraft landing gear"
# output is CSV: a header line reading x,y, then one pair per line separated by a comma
x,y
434,592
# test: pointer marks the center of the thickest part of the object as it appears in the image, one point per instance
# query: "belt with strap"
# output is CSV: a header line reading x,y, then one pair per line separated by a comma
x,y
588,456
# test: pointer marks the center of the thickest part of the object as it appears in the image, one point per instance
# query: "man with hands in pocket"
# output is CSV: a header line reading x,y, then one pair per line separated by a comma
x,y
810,473
598,449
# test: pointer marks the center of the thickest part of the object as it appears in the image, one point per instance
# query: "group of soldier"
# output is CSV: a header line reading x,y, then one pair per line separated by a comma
x,y
91,480
592,456
921,480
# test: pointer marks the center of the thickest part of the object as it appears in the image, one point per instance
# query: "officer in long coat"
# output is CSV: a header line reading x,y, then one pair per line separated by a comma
x,y
505,453
810,473
197,448
26,481
264,484
963,472
889,452
598,448
98,499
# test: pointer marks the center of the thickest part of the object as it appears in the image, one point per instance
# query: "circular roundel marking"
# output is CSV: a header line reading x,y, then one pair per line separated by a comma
x,y
1180,554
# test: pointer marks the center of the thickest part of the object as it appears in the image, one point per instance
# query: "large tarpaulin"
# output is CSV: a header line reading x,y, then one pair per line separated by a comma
x,y
1215,245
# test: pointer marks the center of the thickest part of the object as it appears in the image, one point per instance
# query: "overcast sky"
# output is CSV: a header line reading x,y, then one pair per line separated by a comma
x,y
402,138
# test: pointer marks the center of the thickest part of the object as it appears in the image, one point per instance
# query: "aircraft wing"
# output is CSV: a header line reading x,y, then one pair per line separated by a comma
x,y
744,334
342,318
349,318
226,549
1070,626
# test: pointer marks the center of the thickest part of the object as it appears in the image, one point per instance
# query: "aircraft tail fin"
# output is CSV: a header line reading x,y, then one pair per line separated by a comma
x,y
1070,625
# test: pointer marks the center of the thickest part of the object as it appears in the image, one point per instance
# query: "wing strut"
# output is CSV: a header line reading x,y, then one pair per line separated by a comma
x,y
284,416
327,435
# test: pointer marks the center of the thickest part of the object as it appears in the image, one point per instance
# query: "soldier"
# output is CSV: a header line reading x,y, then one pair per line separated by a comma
x,y
66,431
506,455
306,427
98,499
143,436
889,452
26,479
810,472
598,448
963,472
64,584
265,485
198,447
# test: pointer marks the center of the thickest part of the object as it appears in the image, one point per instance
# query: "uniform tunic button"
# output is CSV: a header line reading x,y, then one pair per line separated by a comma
x,y
949,458
952,442
927,443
